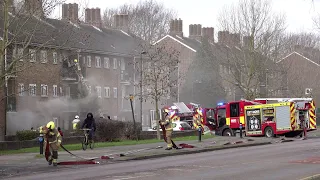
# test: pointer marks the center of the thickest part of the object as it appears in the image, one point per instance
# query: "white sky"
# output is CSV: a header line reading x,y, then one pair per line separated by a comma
x,y
299,13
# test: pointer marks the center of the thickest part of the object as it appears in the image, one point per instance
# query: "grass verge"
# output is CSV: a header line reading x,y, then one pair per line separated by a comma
x,y
72,147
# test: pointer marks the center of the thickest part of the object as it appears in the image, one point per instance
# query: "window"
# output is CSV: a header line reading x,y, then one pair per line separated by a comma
x,y
106,63
89,61
84,60
115,63
32,89
123,65
56,121
234,110
98,89
33,55
20,54
106,92
44,90
55,57
61,91
115,92
98,61
44,57
21,89
55,90
89,89
68,91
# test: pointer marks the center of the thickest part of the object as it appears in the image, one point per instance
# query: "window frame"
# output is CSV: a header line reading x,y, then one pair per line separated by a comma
x,y
54,57
55,90
46,89
115,92
43,56
106,63
32,87
88,61
107,92
98,61
115,64
21,89
33,55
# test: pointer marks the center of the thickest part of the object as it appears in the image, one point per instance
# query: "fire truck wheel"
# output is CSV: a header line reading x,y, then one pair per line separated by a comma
x,y
227,132
268,132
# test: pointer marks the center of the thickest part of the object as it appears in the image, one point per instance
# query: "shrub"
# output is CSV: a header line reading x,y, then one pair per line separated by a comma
x,y
25,135
111,130
129,132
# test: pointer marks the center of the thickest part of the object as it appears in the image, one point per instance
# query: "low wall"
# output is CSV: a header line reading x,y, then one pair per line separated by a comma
x,y
14,145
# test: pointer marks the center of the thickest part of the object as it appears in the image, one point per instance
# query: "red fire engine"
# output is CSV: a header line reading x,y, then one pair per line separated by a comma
x,y
230,115
285,116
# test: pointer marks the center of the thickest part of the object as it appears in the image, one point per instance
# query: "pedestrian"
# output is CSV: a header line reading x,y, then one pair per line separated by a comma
x,y
52,142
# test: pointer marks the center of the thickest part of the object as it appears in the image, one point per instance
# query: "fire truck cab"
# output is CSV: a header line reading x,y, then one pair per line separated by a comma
x,y
230,115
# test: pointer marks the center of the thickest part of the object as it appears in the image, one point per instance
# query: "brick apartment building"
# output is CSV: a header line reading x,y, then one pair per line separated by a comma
x,y
208,83
48,88
302,67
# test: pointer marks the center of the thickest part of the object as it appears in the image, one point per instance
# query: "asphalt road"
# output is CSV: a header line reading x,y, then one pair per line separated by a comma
x,y
270,162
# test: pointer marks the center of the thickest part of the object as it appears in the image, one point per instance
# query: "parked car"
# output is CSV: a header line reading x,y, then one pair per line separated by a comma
x,y
181,126
178,126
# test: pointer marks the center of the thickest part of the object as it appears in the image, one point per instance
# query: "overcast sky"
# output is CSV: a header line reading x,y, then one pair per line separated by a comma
x,y
299,13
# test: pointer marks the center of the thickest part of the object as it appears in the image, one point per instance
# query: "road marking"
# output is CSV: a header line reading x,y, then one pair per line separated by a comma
x,y
311,177
135,177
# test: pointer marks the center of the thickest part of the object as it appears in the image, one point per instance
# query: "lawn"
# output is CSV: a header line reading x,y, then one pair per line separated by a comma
x,y
73,147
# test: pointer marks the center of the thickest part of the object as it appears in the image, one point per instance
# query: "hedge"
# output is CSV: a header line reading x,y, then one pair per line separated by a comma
x,y
111,130
26,135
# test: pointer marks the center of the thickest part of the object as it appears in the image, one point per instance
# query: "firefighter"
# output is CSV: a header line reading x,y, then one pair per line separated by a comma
x,y
75,122
53,137
167,123
197,120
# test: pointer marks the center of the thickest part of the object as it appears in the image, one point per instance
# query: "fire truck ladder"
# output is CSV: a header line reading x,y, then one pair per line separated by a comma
x,y
285,99
77,69
250,101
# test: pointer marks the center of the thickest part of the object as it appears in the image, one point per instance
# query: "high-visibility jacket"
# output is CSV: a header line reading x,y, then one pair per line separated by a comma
x,y
75,123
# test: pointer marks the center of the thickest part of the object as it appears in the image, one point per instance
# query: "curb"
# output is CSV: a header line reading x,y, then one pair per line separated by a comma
x,y
314,177
179,152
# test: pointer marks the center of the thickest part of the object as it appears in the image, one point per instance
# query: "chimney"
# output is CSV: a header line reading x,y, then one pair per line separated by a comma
x,y
93,17
190,30
70,12
176,27
196,31
34,7
234,39
208,33
222,37
121,22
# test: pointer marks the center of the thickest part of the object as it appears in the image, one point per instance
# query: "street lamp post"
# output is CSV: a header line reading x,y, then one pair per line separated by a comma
x,y
141,100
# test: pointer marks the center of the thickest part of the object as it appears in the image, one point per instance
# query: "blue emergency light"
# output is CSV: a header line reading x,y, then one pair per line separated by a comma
x,y
220,104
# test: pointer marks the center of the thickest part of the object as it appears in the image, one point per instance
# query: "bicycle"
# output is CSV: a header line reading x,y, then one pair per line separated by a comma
x,y
86,141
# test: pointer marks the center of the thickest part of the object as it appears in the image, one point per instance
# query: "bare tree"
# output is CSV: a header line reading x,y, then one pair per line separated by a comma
x,y
261,30
159,74
203,83
149,19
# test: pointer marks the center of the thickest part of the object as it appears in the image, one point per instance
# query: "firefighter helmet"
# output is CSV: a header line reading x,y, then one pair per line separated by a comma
x,y
50,125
